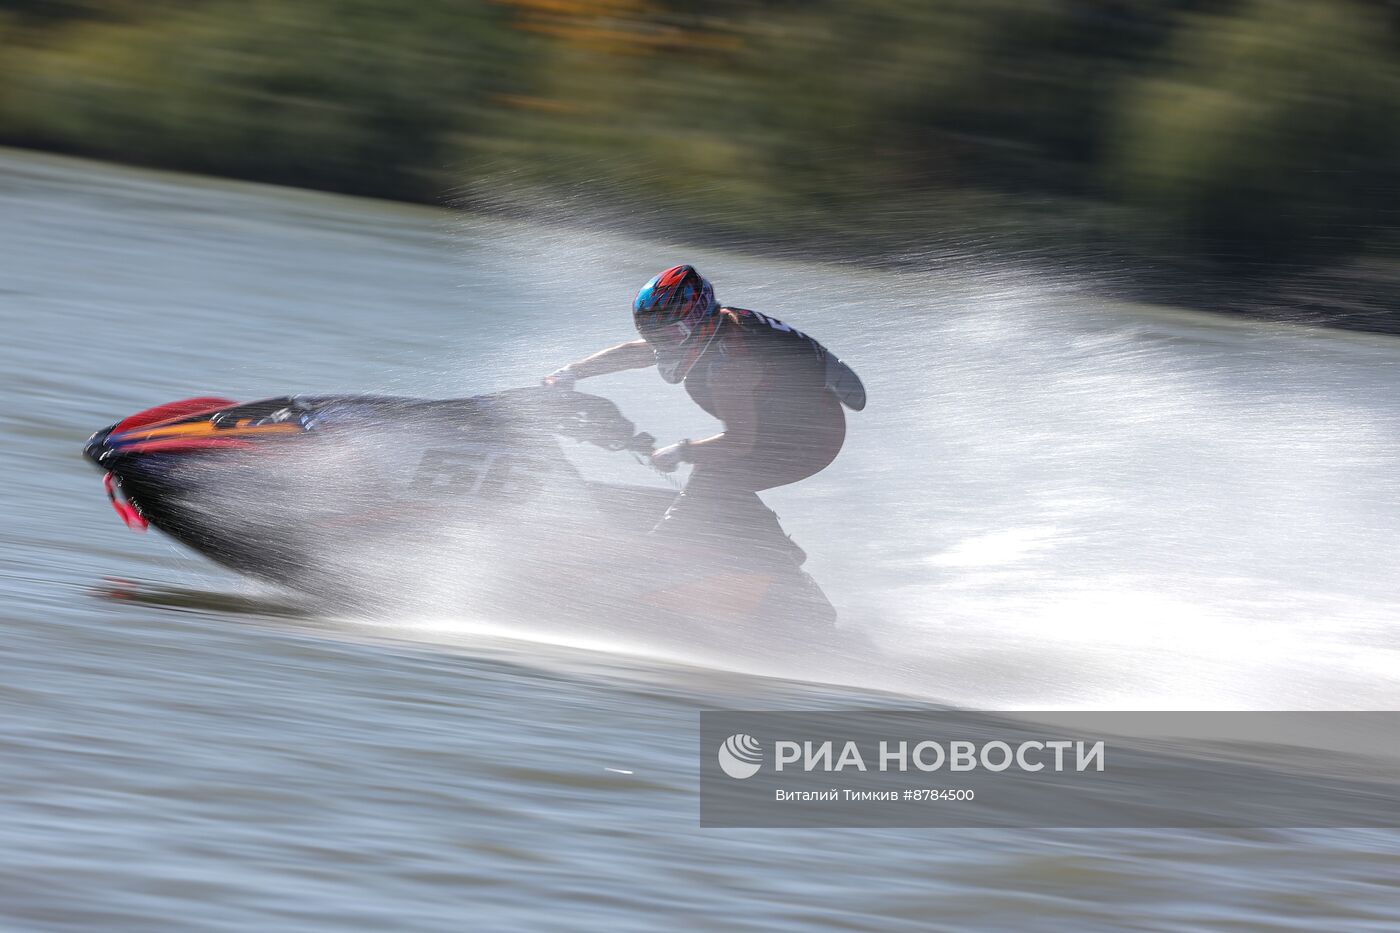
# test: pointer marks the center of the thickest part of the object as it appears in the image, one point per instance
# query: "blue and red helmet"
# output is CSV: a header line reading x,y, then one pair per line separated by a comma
x,y
678,315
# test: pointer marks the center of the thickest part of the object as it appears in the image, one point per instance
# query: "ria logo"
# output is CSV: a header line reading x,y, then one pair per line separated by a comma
x,y
740,756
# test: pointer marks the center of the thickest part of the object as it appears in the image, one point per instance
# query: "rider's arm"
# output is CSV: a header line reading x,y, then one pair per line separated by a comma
x,y
634,354
736,404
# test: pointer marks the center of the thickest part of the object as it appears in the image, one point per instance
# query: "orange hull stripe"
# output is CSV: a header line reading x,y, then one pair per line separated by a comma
x,y
207,429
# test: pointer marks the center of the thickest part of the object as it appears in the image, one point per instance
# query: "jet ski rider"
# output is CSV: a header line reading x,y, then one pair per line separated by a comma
x,y
777,392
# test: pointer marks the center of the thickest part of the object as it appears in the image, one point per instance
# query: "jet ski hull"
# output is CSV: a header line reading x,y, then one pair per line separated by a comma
x,y
337,496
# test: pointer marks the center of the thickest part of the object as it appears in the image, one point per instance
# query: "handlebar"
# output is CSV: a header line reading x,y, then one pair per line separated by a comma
x,y
596,420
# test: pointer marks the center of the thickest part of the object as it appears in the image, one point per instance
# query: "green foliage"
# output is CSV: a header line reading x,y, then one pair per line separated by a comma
x,y
1274,136
1244,132
342,94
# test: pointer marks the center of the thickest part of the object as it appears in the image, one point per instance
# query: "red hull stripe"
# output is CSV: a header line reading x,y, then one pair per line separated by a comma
x,y
168,412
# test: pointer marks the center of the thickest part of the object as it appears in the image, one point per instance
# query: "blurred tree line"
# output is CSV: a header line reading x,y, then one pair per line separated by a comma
x,y
1248,136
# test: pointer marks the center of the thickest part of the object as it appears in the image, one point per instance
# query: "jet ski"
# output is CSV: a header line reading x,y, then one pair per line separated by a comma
x,y
345,497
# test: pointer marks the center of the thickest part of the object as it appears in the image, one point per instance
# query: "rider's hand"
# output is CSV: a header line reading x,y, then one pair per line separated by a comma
x,y
668,458
562,379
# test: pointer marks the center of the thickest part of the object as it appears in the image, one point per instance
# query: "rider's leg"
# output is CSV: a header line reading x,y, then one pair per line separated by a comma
x,y
720,511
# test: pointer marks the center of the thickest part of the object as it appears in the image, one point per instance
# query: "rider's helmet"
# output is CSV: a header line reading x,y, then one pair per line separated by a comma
x,y
677,314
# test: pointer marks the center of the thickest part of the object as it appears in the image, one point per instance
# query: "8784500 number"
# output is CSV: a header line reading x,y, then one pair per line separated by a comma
x,y
937,794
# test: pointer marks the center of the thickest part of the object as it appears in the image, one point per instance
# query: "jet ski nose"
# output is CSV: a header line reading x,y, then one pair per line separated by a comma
x,y
133,435
96,448
101,454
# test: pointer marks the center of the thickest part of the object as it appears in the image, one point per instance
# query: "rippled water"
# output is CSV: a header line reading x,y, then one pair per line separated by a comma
x,y
1049,503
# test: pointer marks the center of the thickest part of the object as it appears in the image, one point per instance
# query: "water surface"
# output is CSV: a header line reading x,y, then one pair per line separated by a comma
x,y
1050,503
